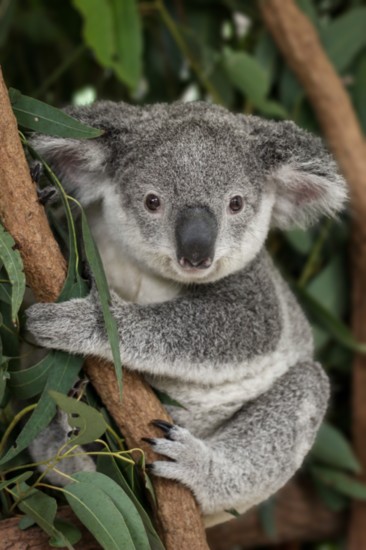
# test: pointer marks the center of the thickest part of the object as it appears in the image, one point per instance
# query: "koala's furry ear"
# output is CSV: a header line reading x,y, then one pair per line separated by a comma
x,y
306,179
83,165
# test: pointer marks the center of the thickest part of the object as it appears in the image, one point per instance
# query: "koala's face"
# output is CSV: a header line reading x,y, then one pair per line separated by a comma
x,y
190,190
191,207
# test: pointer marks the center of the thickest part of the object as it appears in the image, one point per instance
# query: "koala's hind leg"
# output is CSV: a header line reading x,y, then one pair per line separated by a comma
x,y
48,443
256,451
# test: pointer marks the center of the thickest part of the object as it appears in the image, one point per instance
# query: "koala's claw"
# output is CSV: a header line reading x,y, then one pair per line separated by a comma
x,y
164,426
148,440
184,451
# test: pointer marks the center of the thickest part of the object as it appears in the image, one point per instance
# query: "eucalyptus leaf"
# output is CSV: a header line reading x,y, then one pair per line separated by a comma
x,y
113,31
266,54
17,479
14,267
25,522
4,377
233,512
68,530
122,502
167,400
332,499
96,266
328,287
340,482
89,422
332,448
27,383
97,511
41,508
267,519
300,240
41,117
107,465
345,37
244,72
329,322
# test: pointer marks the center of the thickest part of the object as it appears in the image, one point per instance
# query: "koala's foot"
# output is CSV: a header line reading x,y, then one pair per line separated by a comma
x,y
190,457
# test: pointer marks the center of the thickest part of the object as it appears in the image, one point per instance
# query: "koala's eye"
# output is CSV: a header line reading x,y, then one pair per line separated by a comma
x,y
236,204
152,202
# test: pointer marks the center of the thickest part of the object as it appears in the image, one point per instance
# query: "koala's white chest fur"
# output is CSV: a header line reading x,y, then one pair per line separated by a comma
x,y
125,276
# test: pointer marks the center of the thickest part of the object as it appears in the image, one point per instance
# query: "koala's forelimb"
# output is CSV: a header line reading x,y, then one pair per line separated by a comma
x,y
182,338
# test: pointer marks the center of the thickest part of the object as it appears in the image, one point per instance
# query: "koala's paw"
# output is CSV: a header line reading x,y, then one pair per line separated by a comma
x,y
190,457
68,326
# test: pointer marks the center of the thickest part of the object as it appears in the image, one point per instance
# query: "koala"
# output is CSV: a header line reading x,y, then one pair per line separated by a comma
x,y
180,199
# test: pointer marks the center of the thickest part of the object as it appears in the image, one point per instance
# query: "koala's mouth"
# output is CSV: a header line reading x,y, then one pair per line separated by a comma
x,y
186,272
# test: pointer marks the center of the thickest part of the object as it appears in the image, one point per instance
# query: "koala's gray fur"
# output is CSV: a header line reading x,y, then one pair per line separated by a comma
x,y
228,341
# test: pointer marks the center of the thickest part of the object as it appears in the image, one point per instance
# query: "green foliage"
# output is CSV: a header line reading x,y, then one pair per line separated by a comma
x,y
141,52
14,267
96,266
38,116
113,31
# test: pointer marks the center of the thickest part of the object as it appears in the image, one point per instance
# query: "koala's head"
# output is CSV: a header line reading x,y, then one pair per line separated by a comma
x,y
191,190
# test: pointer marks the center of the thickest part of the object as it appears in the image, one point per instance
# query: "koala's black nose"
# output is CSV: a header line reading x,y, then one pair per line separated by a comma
x,y
195,233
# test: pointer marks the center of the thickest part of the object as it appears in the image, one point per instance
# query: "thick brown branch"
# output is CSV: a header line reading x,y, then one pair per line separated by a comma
x,y
299,43
179,520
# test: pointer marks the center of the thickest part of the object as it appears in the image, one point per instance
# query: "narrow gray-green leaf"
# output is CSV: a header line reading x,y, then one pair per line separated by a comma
x,y
332,448
68,530
344,37
96,266
122,502
113,30
100,515
329,322
41,117
28,383
107,465
17,479
267,517
167,400
246,74
340,482
4,377
14,268
88,421
41,508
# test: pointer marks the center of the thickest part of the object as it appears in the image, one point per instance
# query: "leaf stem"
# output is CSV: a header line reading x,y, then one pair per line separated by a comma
x,y
13,423
313,259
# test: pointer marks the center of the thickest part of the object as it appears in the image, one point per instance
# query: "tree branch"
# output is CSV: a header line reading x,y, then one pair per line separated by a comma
x,y
300,45
179,521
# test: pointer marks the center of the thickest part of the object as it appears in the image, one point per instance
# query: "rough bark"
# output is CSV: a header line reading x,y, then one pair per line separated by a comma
x,y
179,521
300,45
